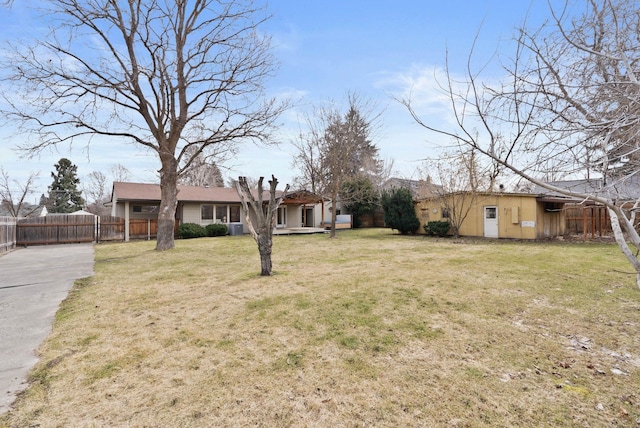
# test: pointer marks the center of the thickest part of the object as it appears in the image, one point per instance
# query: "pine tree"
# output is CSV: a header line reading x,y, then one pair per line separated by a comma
x,y
399,212
64,195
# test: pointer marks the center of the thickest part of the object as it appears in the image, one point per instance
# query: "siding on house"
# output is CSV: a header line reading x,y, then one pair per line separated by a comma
x,y
294,216
191,213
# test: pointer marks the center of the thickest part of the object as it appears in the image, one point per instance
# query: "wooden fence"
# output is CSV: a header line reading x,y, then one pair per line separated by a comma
x,y
143,228
57,229
590,221
111,228
375,219
66,229
7,234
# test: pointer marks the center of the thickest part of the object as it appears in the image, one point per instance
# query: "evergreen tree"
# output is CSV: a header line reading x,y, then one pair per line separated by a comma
x,y
337,148
399,212
64,195
359,197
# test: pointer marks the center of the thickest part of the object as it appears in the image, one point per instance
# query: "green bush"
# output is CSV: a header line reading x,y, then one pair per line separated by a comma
x,y
399,212
437,228
217,229
191,230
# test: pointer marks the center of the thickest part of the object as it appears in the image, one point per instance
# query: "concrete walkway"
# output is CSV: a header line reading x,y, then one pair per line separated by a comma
x,y
33,282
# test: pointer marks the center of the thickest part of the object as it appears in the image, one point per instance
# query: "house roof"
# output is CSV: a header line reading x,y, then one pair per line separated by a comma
x,y
144,192
420,188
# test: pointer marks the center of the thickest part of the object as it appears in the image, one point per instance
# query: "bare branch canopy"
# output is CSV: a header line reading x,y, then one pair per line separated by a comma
x,y
173,77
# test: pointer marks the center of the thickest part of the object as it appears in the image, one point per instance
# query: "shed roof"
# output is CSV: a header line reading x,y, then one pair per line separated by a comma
x,y
537,196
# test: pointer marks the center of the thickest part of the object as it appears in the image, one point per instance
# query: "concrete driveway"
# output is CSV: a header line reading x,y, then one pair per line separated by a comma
x,y
33,282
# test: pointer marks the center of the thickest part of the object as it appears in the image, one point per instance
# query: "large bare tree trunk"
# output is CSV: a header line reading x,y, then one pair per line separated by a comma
x,y
260,221
618,223
168,204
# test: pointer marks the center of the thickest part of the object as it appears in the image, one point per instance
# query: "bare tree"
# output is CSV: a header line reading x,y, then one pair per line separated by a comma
x,y
261,220
568,106
96,193
174,77
119,172
461,180
203,171
335,148
13,195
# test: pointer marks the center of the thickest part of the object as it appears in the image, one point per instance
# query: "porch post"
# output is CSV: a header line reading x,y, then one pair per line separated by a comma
x,y
126,221
304,215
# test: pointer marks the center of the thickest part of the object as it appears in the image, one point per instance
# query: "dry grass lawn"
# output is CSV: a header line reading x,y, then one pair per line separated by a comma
x,y
369,329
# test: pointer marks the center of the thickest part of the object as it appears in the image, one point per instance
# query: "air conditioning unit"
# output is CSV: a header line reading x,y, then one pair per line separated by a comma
x,y
235,229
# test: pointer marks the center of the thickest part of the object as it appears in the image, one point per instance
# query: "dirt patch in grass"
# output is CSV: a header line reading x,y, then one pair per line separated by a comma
x,y
369,329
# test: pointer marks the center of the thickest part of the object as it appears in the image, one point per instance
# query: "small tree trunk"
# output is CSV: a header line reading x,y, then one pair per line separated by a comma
x,y
334,198
265,246
332,231
168,204
260,221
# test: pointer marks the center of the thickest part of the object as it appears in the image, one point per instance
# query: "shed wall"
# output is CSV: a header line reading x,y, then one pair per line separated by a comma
x,y
519,216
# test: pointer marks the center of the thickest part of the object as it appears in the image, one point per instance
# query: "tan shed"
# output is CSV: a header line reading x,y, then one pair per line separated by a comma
x,y
498,215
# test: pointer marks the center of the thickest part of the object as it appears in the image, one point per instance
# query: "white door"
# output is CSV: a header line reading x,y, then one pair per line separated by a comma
x,y
491,222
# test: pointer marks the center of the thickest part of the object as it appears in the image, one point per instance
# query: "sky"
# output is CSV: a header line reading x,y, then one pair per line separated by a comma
x,y
325,49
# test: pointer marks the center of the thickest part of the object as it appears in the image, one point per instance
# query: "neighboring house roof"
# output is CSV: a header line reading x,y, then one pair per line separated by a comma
x,y
627,188
144,192
81,212
420,188
26,210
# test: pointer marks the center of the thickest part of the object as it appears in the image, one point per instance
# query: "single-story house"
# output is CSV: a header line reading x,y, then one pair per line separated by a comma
x,y
207,205
498,215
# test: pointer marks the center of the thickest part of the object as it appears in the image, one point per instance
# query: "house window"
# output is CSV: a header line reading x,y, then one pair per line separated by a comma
x,y
206,212
234,213
221,213
445,213
145,209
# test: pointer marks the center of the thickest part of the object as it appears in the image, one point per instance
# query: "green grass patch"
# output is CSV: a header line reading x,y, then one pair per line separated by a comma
x,y
369,329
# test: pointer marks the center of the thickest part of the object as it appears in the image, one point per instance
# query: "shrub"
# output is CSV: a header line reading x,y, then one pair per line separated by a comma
x,y
437,228
217,229
191,230
399,212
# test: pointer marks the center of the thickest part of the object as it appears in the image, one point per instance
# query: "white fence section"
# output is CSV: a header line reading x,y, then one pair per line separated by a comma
x,y
7,234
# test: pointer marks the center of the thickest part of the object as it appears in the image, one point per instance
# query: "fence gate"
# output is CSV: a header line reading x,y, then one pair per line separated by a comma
x,y
111,228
